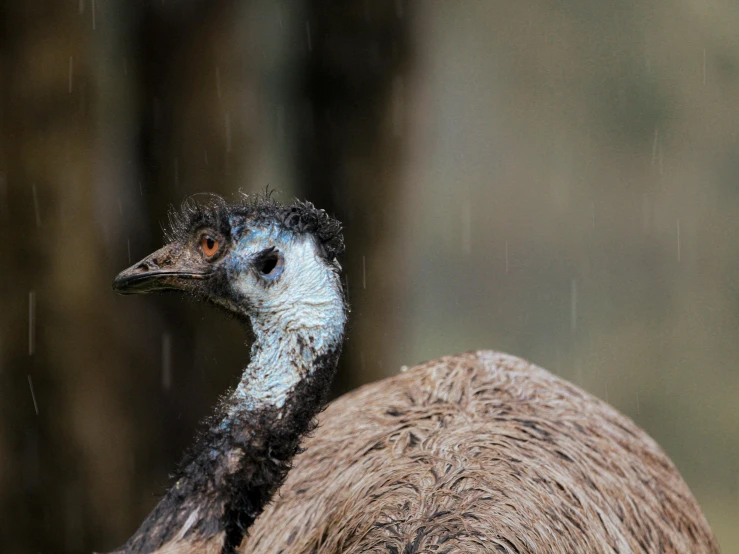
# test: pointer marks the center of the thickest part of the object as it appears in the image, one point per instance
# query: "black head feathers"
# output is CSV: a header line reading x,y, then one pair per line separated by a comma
x,y
212,210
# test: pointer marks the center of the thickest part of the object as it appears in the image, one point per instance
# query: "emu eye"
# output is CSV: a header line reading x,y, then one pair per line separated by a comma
x,y
209,246
270,263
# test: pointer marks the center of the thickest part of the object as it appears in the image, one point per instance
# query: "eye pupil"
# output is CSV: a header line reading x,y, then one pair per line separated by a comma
x,y
209,245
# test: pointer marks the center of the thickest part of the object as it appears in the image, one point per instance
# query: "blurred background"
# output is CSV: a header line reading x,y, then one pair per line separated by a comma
x,y
557,179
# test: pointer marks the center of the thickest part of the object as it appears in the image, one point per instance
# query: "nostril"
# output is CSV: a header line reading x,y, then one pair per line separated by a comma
x,y
143,267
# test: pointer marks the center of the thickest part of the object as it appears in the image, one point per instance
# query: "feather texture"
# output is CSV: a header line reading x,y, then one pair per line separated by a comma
x,y
299,218
480,452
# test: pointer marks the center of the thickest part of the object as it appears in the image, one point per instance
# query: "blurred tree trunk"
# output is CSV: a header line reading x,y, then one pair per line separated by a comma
x,y
63,434
81,454
194,108
92,387
358,56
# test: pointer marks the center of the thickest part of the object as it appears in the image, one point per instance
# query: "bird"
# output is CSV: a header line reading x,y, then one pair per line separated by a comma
x,y
478,452
275,268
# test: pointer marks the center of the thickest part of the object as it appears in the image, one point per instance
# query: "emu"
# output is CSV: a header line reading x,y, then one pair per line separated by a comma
x,y
480,452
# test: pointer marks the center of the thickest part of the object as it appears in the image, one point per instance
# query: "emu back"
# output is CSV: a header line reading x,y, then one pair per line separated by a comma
x,y
480,452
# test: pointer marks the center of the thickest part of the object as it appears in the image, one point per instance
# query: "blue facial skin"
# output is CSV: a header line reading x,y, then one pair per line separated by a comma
x,y
250,241
293,321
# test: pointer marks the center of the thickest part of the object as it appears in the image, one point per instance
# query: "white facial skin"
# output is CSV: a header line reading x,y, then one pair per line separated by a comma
x,y
297,312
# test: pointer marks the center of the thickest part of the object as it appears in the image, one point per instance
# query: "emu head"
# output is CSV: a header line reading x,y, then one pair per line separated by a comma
x,y
256,258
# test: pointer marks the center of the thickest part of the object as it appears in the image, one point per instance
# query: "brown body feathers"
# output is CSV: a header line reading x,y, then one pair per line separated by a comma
x,y
480,452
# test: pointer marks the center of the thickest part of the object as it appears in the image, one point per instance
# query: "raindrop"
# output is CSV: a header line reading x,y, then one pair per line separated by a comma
x,y
166,361
92,9
573,305
4,210
466,227
307,34
33,394
120,206
128,245
177,172
228,132
678,240
71,69
36,209
218,82
364,273
31,323
81,7
655,146
592,213
704,66
399,8
506,256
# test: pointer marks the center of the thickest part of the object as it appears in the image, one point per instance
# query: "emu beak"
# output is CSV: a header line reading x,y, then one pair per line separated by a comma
x,y
169,268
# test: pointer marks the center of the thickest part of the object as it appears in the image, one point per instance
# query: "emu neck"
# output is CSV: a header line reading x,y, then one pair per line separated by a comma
x,y
239,463
282,356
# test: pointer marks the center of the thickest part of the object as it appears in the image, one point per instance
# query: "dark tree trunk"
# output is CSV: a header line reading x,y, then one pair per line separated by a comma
x,y
350,139
81,474
63,432
108,113
193,95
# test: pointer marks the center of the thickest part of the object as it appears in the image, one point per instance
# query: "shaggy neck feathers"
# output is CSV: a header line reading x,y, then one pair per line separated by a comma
x,y
240,461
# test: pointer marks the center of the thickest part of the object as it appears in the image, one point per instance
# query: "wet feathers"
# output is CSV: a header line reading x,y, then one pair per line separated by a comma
x,y
480,452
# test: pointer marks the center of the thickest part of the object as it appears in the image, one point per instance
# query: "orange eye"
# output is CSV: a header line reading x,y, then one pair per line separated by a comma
x,y
209,246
